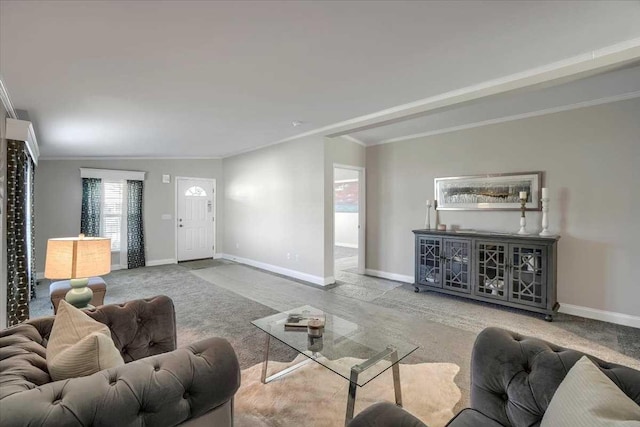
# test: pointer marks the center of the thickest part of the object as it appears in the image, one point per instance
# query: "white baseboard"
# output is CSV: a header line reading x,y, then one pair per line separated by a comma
x,y
390,276
329,281
155,262
217,256
316,280
605,316
347,245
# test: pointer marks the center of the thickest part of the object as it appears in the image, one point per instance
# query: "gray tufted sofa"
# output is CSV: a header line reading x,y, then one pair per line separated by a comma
x,y
513,379
157,386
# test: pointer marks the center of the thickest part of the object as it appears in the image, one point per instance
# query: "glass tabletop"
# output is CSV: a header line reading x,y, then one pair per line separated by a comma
x,y
339,339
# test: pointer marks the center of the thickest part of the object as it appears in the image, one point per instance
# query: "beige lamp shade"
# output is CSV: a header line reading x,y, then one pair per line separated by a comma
x,y
77,257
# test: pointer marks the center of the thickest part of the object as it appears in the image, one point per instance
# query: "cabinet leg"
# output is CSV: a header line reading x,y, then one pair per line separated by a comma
x,y
549,317
416,289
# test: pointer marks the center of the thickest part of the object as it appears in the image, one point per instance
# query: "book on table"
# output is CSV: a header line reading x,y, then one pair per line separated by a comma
x,y
300,321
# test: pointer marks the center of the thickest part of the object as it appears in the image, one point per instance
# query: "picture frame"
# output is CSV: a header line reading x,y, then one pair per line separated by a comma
x,y
489,192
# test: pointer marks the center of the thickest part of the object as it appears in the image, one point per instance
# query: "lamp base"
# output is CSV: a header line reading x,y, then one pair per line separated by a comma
x,y
80,294
523,225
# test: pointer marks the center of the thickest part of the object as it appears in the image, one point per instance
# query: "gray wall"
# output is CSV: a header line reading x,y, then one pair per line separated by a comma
x,y
273,201
58,196
591,160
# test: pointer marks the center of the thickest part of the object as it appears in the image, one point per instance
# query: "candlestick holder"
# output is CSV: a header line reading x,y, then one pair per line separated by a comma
x,y
427,221
545,220
523,220
437,219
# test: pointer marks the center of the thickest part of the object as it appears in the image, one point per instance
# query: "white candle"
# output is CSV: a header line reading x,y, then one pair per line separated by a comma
x,y
523,195
545,193
428,202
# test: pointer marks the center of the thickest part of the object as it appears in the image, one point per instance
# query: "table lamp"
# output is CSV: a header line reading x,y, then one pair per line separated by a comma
x,y
78,258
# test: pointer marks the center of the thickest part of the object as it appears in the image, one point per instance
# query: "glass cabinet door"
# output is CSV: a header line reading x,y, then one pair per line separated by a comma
x,y
528,275
491,270
429,261
457,274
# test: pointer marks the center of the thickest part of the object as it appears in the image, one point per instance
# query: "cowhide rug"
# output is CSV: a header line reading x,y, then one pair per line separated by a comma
x,y
314,396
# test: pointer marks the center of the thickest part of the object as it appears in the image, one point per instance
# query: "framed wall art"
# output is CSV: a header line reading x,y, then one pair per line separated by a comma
x,y
489,192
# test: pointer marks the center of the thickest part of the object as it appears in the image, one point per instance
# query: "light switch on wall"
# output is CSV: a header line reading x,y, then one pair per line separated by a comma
x,y
166,216
166,179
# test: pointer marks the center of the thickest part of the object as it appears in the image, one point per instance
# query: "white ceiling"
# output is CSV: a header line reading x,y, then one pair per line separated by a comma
x,y
197,79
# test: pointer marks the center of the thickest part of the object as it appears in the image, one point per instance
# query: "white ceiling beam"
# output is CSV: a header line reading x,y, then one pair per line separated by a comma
x,y
572,68
510,118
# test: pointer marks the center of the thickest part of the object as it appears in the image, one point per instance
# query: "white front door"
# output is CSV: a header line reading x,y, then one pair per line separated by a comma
x,y
195,218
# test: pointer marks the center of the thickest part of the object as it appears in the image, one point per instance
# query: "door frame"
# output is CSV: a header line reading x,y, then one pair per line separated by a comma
x,y
175,212
362,214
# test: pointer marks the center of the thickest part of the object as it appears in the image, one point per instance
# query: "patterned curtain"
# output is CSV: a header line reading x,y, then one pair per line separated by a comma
x,y
135,228
20,275
91,199
32,223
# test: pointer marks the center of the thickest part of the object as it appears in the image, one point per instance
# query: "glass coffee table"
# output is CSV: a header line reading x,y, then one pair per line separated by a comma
x,y
339,338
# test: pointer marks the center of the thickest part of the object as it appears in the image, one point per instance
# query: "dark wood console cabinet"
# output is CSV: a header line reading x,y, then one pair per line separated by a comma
x,y
507,269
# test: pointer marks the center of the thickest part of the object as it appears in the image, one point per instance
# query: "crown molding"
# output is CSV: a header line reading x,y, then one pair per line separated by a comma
x,y
354,139
6,101
552,110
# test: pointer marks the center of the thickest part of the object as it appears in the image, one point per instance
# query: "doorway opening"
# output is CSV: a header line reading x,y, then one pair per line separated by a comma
x,y
195,218
348,220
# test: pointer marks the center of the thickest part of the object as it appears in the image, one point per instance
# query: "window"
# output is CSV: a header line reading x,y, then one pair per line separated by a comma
x,y
113,220
195,191
112,208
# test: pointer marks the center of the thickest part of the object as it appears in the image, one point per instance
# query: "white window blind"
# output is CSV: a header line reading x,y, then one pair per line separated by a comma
x,y
113,213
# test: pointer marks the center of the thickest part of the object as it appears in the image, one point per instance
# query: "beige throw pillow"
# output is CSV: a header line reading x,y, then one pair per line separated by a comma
x,y
78,345
588,398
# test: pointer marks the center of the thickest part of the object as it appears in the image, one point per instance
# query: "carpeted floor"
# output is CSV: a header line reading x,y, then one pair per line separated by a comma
x,y
222,300
340,252
345,259
202,309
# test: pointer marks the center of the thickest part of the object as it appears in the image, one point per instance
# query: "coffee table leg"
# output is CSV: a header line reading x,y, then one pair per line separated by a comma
x,y
263,378
351,397
396,377
390,352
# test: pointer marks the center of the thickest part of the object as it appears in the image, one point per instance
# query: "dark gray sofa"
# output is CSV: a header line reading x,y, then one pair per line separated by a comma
x,y
158,385
513,379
